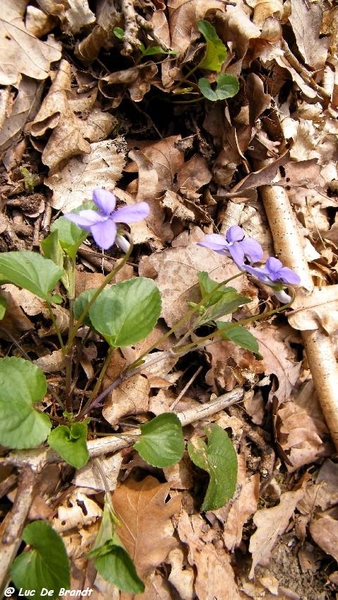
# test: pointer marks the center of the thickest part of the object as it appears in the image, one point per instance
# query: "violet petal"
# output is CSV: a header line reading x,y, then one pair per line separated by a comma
x,y
104,233
235,233
85,218
252,249
215,242
104,200
131,214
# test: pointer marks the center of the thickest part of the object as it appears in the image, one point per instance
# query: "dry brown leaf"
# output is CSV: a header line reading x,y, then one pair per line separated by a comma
x,y
279,358
231,365
20,108
242,508
301,429
136,79
146,529
59,113
306,21
271,523
318,309
324,531
22,53
89,477
214,574
183,17
73,185
130,397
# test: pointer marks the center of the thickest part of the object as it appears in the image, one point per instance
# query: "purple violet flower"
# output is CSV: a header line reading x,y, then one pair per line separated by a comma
x,y
235,245
276,276
102,222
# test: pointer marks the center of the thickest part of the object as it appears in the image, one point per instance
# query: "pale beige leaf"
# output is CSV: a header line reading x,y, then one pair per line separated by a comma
x,y
22,52
73,185
78,16
318,309
76,511
146,528
90,477
325,533
306,21
214,574
271,523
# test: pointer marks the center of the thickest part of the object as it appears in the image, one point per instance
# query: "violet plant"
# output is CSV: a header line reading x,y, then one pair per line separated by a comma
x,y
122,313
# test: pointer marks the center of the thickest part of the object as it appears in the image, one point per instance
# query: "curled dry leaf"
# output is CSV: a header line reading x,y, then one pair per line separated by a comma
x,y
279,358
315,310
23,53
306,21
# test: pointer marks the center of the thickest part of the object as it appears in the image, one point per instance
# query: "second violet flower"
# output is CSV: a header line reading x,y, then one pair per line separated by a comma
x,y
102,222
244,251
234,244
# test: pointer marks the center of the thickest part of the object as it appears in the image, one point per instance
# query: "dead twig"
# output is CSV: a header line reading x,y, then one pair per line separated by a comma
x,y
14,522
37,459
318,346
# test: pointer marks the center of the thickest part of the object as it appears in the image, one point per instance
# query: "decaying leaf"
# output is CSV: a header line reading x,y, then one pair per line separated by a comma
x,y
271,523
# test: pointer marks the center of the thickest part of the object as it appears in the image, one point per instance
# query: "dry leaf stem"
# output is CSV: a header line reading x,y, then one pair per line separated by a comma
x,y
318,346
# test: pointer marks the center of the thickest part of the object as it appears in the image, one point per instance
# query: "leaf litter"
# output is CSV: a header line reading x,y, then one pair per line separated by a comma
x,y
79,109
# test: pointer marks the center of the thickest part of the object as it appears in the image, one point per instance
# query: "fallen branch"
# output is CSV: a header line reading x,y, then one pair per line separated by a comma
x,y
13,524
37,459
318,346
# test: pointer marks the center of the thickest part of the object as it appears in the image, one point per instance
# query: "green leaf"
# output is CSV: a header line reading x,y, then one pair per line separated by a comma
x,y
22,385
30,271
116,566
219,459
126,312
151,50
227,86
3,307
161,442
219,300
112,560
118,32
216,51
71,443
70,235
240,336
80,304
46,565
51,248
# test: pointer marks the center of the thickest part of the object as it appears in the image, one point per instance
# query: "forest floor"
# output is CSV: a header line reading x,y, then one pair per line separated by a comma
x,y
105,94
